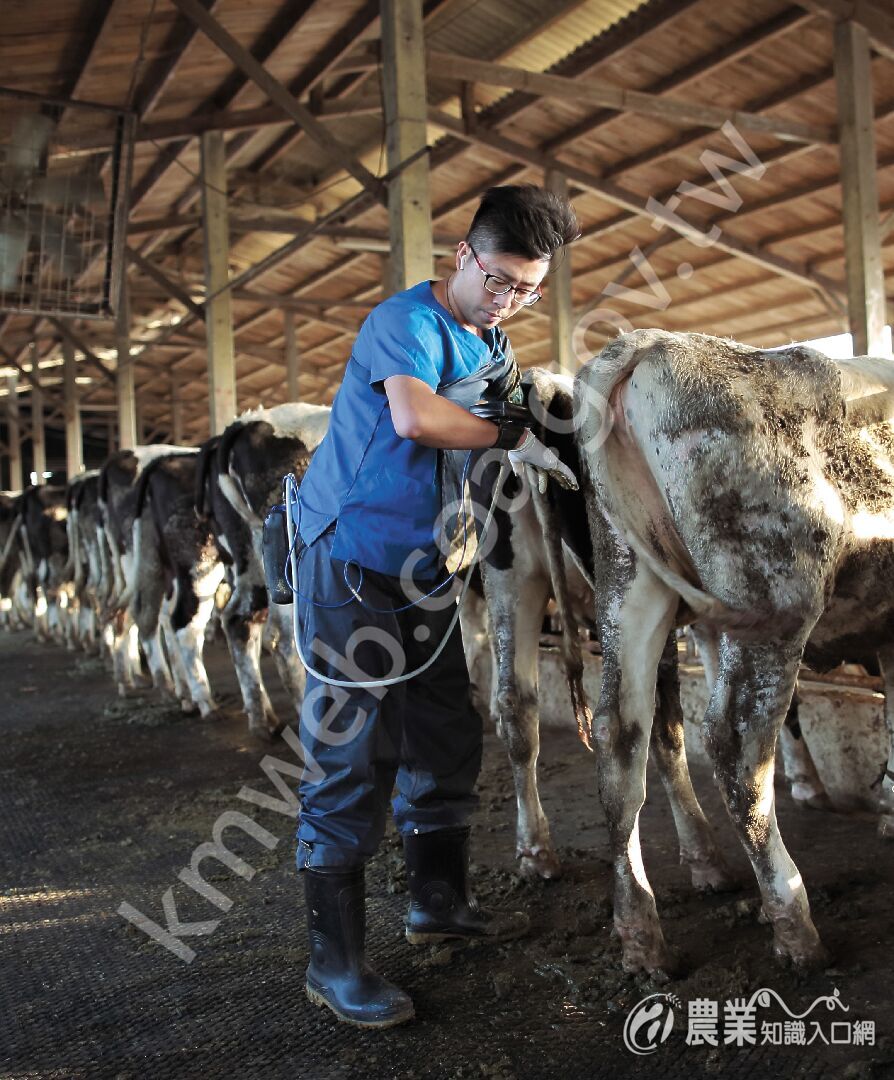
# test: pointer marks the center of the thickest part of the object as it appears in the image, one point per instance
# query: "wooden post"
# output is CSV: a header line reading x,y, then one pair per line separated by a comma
x,y
218,312
176,410
14,433
558,291
38,435
74,443
293,357
125,386
409,197
862,247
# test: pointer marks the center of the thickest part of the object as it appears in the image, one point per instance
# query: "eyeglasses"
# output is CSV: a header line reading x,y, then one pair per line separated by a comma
x,y
498,286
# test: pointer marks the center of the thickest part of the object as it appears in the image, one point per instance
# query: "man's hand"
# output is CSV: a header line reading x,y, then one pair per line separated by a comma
x,y
543,461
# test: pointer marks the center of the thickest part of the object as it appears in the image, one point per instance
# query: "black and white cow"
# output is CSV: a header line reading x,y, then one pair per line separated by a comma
x,y
750,492
246,612
176,570
86,553
117,503
254,454
44,558
541,548
16,605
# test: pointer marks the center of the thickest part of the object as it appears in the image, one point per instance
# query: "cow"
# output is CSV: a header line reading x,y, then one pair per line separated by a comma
x,y
246,611
44,558
176,569
255,452
749,492
86,557
117,503
15,611
540,548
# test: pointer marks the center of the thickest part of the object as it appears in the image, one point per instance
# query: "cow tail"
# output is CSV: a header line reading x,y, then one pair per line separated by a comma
x,y
550,526
207,454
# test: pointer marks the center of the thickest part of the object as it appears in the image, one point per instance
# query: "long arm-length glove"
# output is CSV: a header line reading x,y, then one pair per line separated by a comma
x,y
543,461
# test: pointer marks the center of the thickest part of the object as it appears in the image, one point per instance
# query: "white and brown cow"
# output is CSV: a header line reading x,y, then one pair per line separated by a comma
x,y
540,548
752,492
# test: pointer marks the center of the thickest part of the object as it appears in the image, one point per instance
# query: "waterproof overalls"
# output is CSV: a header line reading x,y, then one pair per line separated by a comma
x,y
371,500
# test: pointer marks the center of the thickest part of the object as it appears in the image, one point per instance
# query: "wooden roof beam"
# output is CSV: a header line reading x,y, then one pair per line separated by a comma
x,y
876,18
627,200
160,278
280,95
216,120
82,346
606,95
277,31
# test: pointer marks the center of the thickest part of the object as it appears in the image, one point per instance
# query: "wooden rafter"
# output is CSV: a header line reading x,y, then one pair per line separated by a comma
x,y
621,100
877,19
628,200
279,95
161,278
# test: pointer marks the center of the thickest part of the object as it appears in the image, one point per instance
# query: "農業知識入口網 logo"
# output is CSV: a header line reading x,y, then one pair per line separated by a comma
x,y
650,1023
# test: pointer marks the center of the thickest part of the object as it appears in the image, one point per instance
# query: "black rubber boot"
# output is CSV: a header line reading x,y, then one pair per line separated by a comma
x,y
441,906
337,975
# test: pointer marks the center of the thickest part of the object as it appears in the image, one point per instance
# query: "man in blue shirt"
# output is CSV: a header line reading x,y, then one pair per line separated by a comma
x,y
368,511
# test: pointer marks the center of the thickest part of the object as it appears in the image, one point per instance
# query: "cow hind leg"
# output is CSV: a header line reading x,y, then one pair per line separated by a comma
x,y
632,647
752,693
243,623
698,847
189,619
806,787
516,623
169,647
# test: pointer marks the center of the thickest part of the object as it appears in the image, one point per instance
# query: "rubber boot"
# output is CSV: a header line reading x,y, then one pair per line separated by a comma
x,y
337,975
442,907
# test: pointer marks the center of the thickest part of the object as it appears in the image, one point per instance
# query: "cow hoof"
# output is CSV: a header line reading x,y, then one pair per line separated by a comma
x,y
813,800
543,865
658,961
261,731
812,958
713,877
188,707
886,827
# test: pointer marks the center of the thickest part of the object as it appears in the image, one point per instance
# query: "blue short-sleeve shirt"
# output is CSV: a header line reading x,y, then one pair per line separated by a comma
x,y
381,490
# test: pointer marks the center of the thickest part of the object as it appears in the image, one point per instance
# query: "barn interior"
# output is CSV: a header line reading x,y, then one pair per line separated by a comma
x,y
200,202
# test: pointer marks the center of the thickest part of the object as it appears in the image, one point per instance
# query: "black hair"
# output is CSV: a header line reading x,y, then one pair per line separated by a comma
x,y
522,219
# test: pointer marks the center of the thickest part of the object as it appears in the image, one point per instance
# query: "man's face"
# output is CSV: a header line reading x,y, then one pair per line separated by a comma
x,y
475,304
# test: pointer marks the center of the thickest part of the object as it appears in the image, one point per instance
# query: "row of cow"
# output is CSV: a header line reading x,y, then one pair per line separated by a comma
x,y
748,493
